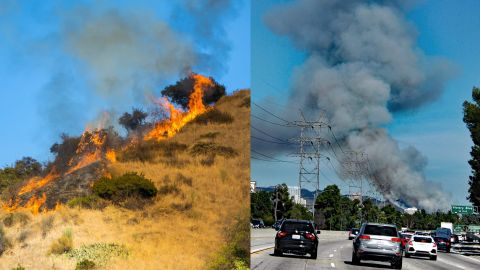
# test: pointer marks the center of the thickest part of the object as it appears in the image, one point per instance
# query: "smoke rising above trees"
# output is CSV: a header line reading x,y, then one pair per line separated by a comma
x,y
362,66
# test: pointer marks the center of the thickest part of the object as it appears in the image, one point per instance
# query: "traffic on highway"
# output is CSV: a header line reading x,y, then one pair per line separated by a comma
x,y
297,245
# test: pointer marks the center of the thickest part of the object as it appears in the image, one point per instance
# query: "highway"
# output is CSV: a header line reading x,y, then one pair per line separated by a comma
x,y
335,252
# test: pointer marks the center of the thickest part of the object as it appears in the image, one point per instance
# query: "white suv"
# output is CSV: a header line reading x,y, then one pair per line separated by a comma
x,y
420,245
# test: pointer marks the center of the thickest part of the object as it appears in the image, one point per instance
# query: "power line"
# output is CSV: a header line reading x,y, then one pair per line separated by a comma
x,y
272,158
260,139
264,133
333,134
273,123
267,111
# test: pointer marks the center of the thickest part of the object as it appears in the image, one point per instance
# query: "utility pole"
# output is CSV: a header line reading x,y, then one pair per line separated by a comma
x,y
310,143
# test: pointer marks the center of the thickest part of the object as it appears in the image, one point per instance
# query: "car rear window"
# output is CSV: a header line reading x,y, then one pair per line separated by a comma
x,y
381,230
422,239
296,226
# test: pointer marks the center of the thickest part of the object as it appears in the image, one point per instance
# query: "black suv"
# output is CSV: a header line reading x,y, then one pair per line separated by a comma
x,y
378,242
296,236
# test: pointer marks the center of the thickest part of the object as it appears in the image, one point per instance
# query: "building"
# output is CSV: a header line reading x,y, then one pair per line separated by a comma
x,y
253,186
295,193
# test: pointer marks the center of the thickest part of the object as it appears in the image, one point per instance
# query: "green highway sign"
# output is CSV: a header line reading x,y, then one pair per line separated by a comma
x,y
474,228
462,209
457,228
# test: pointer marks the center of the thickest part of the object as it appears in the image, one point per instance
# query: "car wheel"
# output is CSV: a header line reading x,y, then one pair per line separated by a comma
x,y
313,255
355,259
407,255
448,250
277,252
433,258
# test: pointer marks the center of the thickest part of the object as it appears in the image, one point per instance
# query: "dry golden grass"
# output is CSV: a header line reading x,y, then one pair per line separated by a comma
x,y
178,231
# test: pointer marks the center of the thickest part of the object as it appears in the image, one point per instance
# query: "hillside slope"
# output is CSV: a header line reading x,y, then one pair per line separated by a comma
x,y
203,194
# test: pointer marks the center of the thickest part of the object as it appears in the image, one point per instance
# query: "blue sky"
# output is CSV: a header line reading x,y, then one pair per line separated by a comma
x,y
31,58
445,29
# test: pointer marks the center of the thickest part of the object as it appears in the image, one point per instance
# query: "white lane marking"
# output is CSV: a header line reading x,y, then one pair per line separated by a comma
x,y
332,265
331,255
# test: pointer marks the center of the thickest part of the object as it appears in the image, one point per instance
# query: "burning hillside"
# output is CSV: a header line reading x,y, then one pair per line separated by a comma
x,y
71,175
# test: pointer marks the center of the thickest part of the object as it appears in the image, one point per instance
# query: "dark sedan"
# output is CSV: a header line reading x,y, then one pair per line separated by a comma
x,y
297,237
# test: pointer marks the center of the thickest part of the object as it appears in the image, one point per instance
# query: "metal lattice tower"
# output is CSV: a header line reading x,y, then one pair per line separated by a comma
x,y
310,143
356,167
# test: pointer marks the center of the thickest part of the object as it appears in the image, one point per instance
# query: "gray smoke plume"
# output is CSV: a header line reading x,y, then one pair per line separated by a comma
x,y
362,66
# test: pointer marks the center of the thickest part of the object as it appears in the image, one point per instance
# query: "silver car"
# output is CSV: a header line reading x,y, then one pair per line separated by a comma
x,y
378,242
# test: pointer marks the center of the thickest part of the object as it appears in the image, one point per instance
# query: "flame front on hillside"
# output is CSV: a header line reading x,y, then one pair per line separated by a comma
x,y
90,149
178,118
94,146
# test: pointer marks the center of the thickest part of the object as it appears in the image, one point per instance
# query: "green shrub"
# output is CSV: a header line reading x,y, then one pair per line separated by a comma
x,y
19,267
236,253
99,253
63,244
119,188
85,264
214,116
89,202
209,149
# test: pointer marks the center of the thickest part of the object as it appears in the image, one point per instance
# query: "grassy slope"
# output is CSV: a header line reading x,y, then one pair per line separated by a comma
x,y
167,234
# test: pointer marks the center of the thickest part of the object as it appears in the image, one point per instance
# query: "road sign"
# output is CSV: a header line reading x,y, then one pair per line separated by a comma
x,y
457,228
474,228
462,209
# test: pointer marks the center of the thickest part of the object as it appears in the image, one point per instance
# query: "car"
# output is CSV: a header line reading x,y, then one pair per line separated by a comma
x,y
420,245
353,233
258,223
378,242
443,243
297,237
405,238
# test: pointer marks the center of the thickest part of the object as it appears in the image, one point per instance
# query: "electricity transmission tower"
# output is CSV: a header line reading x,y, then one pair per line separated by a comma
x,y
310,144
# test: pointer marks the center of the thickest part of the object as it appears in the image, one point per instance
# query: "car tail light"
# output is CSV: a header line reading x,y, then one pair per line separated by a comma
x,y
448,243
364,237
310,236
281,234
434,244
410,242
396,240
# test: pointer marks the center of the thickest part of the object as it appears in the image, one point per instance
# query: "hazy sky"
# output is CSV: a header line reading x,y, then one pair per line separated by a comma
x,y
444,29
57,59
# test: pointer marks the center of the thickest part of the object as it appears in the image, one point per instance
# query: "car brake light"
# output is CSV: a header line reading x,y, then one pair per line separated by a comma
x,y
410,242
364,237
310,236
434,244
396,240
281,234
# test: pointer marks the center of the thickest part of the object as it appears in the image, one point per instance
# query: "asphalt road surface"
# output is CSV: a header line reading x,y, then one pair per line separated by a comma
x,y
335,252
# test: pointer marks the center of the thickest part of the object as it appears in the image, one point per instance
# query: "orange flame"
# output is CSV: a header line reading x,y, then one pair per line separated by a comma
x,y
178,118
33,204
37,182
